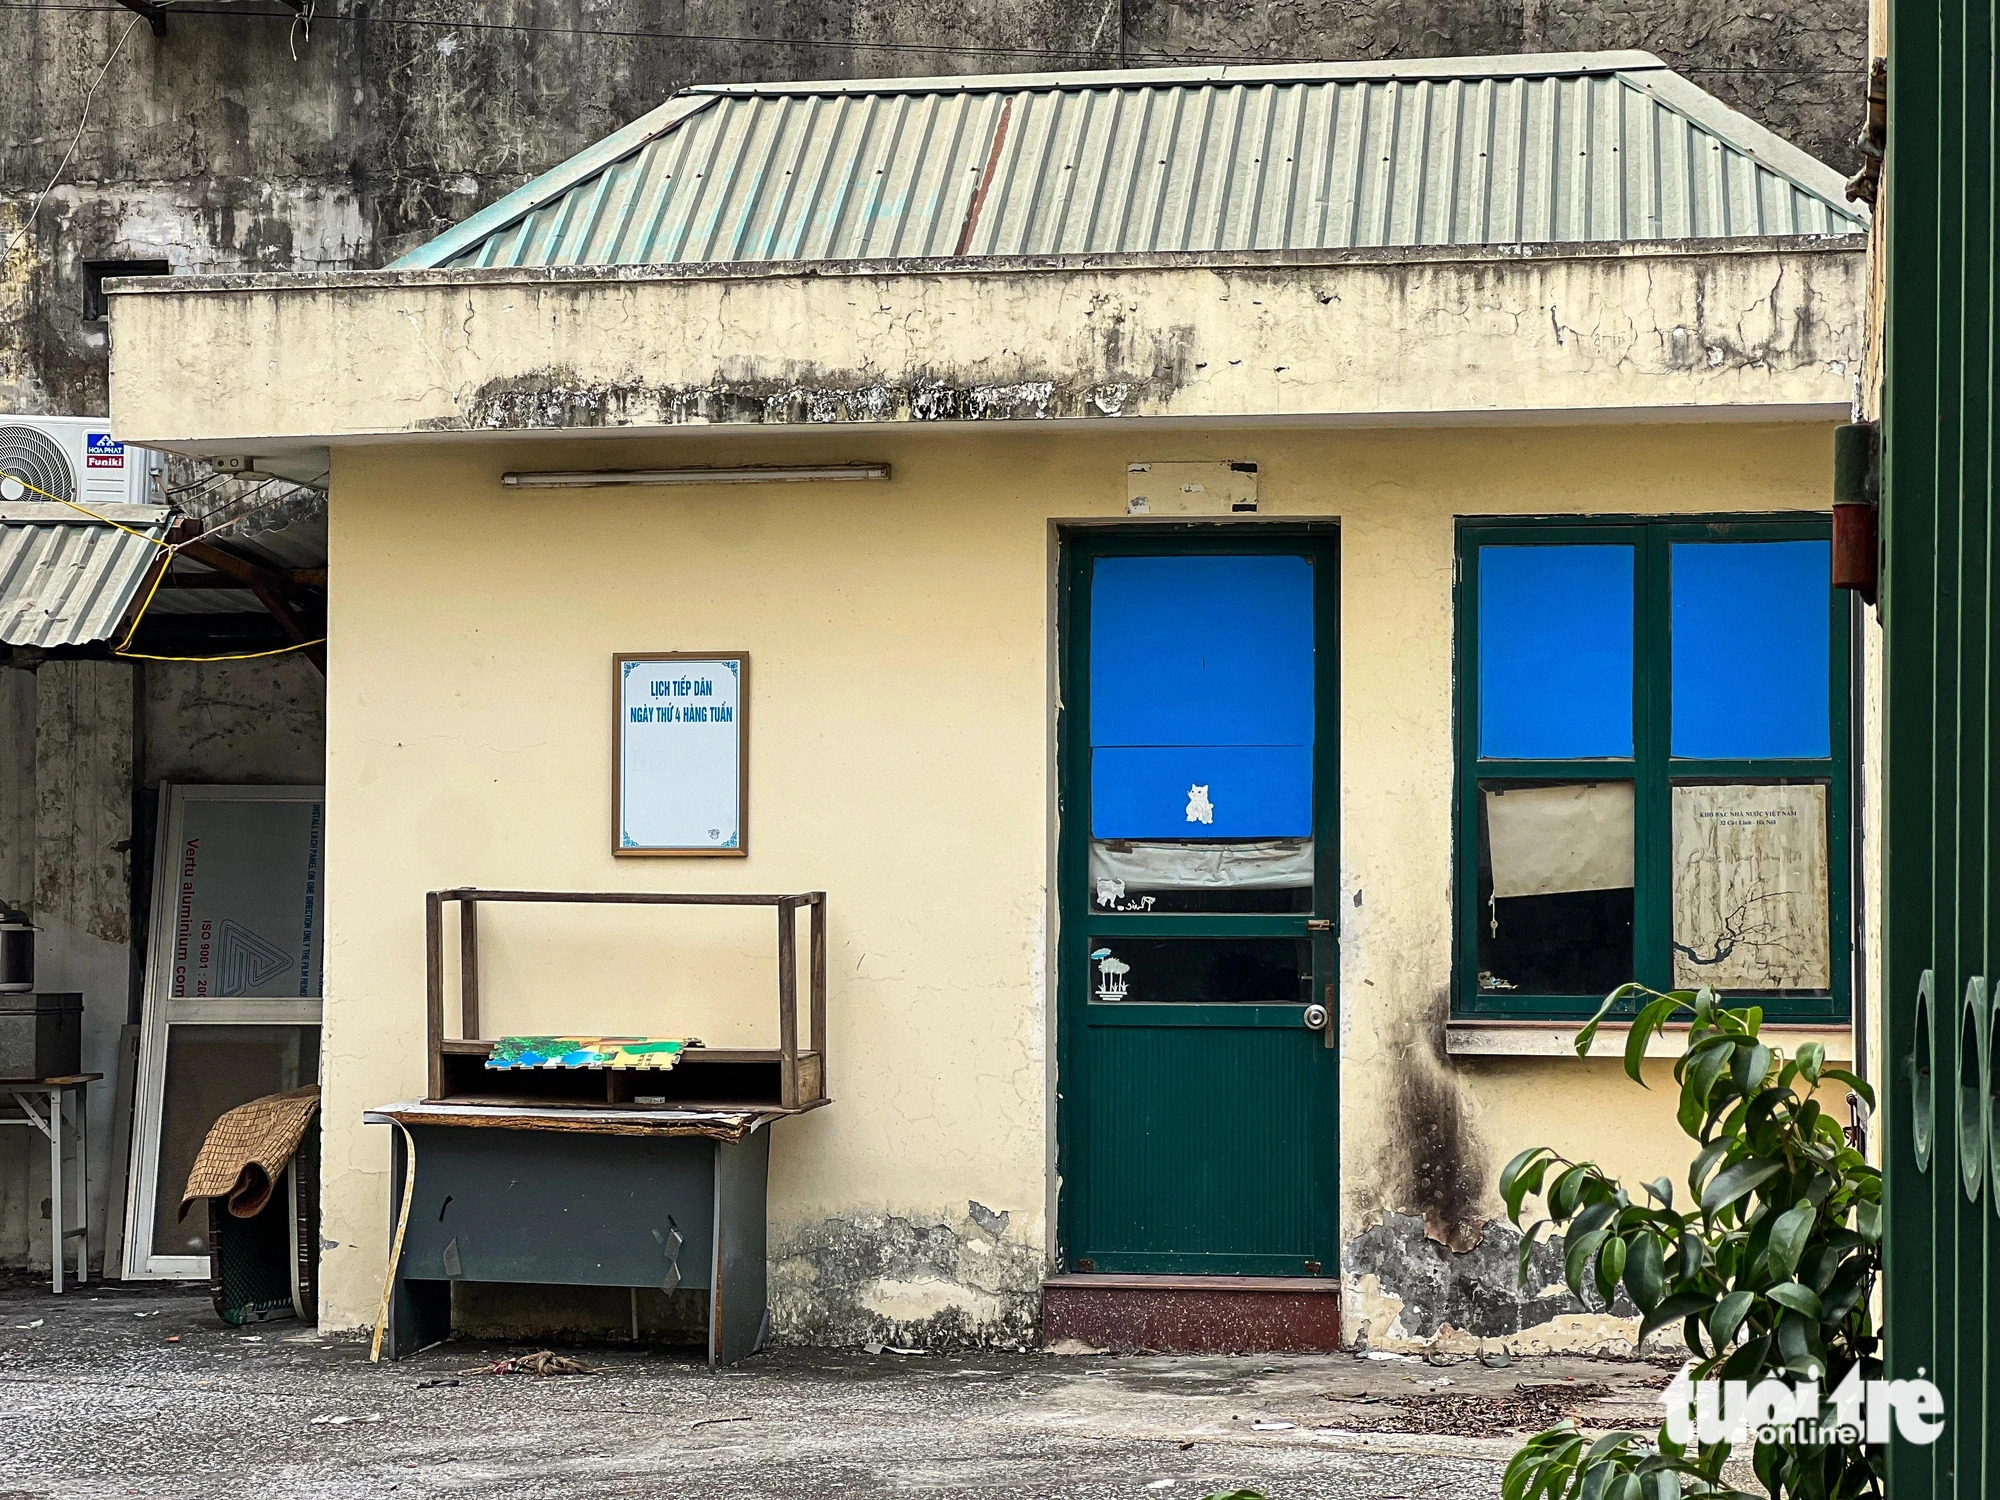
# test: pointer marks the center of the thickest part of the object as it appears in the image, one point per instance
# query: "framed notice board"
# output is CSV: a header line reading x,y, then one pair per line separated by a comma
x,y
681,753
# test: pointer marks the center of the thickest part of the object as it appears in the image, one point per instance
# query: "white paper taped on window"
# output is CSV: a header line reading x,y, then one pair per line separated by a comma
x,y
1752,888
1255,865
1547,840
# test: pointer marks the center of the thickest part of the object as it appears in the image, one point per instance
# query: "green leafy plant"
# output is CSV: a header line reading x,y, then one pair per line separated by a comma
x,y
1768,1272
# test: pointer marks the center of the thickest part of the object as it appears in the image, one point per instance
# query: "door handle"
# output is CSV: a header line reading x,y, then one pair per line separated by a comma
x,y
1315,1017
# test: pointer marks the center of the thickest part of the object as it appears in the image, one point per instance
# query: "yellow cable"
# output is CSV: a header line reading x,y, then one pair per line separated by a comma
x,y
396,1244
106,520
159,577
227,656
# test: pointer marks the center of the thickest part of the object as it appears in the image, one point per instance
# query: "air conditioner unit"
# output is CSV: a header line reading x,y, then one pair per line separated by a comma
x,y
77,458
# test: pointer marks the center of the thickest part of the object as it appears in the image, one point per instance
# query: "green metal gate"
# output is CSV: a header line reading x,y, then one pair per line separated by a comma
x,y
1941,742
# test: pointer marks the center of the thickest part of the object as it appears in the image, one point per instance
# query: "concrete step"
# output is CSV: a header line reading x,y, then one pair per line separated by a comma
x,y
1193,1314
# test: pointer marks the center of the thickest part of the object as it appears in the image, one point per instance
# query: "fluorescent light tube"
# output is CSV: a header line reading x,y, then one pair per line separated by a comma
x,y
586,479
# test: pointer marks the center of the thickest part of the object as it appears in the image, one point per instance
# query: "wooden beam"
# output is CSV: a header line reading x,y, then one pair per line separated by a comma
x,y
271,588
209,581
311,647
228,564
468,970
434,991
817,937
788,1006
310,578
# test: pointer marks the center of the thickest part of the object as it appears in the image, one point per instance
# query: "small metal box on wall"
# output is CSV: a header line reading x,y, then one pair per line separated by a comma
x,y
41,1036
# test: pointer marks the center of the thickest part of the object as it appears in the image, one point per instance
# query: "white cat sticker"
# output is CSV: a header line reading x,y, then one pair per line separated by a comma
x,y
1200,810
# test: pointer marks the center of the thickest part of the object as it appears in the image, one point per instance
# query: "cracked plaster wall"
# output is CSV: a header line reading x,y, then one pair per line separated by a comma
x,y
898,760
216,149
1346,337
236,722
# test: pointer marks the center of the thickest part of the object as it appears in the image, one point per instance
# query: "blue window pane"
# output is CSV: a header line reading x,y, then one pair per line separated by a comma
x,y
1201,792
1752,664
1555,652
1201,675
1201,651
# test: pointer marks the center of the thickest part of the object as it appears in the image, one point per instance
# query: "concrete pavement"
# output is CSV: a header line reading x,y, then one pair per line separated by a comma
x,y
114,1391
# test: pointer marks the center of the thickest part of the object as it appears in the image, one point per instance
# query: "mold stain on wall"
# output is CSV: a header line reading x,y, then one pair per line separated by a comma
x,y
1437,1168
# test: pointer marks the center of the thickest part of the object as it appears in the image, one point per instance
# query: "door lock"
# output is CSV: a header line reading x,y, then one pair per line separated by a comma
x,y
1315,1017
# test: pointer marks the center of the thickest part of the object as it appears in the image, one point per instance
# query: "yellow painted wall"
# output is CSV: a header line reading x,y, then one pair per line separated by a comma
x,y
900,728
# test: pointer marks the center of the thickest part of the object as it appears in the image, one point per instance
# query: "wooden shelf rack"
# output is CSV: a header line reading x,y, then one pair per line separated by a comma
x,y
787,1079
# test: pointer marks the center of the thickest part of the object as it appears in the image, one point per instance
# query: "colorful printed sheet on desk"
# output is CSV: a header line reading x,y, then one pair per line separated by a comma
x,y
657,1053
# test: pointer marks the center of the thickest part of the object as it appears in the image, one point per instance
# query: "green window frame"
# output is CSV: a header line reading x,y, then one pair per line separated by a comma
x,y
1652,769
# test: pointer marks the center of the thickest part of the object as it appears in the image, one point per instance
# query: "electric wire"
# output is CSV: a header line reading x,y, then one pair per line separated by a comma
x,y
204,482
970,49
241,515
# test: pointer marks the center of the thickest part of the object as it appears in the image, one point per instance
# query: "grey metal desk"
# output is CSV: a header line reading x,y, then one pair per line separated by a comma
x,y
63,1112
665,1198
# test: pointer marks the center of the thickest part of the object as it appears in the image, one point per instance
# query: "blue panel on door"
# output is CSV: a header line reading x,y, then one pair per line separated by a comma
x,y
1753,670
1201,651
1248,792
1555,652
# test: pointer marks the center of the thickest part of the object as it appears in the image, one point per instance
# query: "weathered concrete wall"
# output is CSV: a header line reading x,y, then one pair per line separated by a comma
x,y
1356,337
469,742
234,722
213,148
71,735
17,787
17,889
85,718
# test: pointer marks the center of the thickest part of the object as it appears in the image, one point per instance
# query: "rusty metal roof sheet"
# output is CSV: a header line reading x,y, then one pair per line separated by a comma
x,y
67,580
1567,148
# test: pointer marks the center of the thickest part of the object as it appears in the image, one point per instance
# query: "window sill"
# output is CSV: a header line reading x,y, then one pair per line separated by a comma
x,y
1556,1039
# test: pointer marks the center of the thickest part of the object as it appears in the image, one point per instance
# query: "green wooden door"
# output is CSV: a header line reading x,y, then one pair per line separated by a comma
x,y
1941,745
1197,1107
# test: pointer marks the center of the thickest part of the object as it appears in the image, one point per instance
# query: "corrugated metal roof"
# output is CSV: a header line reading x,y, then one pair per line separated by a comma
x,y
1574,147
66,580
290,533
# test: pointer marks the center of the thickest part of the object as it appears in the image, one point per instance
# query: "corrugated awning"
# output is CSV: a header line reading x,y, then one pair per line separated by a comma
x,y
67,580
